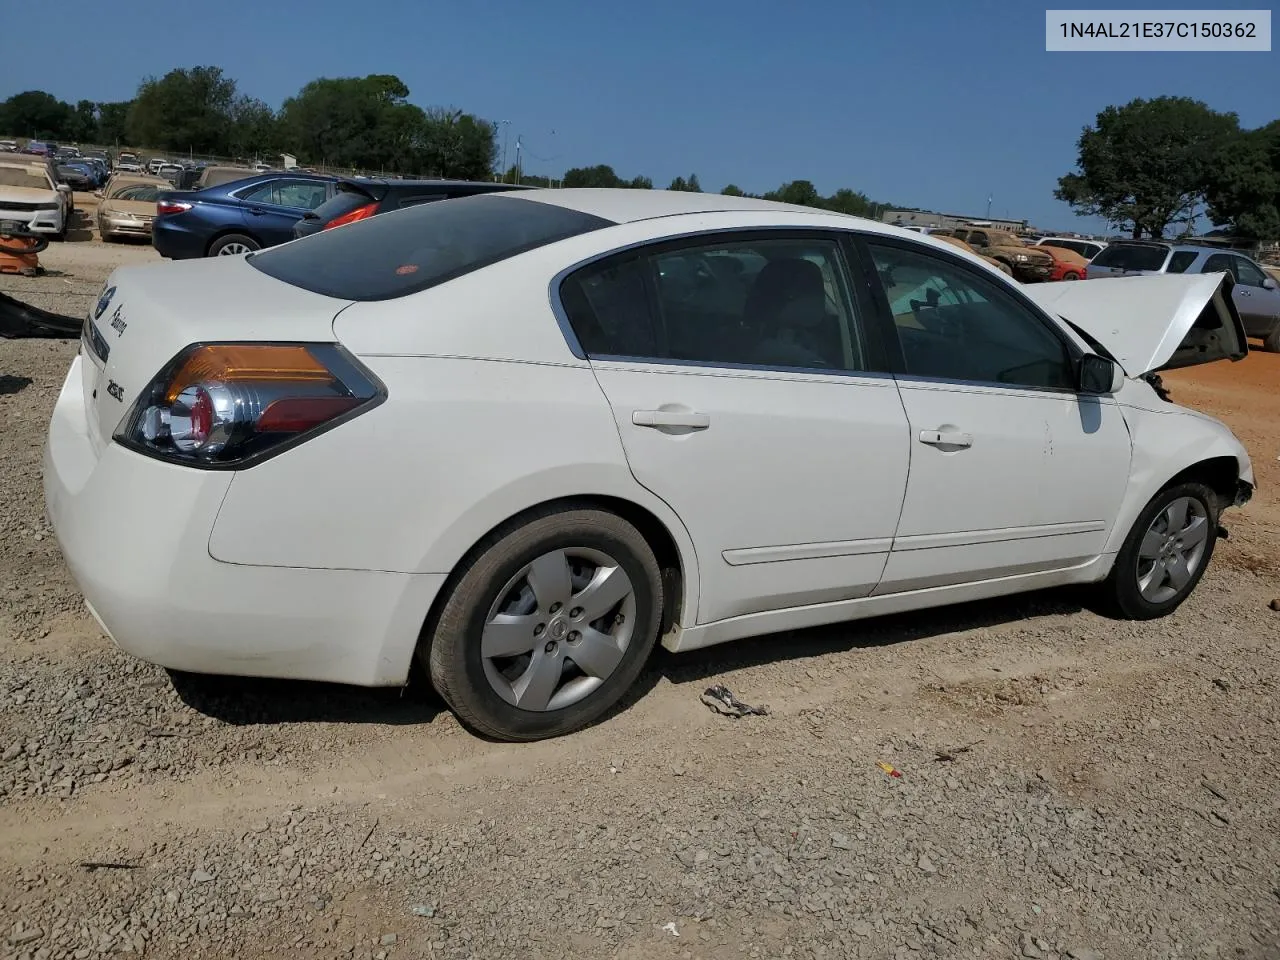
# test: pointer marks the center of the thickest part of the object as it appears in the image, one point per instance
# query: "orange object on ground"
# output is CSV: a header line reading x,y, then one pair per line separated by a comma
x,y
19,254
889,769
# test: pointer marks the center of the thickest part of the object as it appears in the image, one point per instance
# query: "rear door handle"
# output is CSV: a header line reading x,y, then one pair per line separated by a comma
x,y
670,418
946,438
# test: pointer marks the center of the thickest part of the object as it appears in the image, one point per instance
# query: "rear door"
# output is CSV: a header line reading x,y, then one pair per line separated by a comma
x,y
271,208
741,381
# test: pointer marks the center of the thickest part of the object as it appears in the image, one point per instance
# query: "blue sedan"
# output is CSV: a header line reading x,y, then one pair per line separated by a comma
x,y
237,217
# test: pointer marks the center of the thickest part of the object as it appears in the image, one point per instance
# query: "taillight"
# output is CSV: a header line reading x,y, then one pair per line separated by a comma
x,y
171,206
359,213
229,405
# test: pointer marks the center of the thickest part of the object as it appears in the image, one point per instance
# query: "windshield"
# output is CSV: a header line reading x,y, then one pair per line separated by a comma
x,y
33,178
1132,256
144,192
410,250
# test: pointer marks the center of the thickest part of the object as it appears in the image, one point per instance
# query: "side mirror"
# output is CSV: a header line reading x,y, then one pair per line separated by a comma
x,y
1099,375
64,188
1270,284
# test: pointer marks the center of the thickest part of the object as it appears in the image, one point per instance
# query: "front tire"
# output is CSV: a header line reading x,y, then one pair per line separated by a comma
x,y
1166,553
548,626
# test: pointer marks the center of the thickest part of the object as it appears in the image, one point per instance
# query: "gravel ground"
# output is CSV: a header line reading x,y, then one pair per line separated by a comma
x,y
1070,786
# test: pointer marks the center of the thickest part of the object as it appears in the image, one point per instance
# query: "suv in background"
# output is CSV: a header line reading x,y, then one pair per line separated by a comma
x,y
359,199
1027,263
1086,248
1255,293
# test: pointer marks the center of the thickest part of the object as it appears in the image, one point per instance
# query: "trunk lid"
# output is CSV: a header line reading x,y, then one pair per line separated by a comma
x,y
1156,322
147,314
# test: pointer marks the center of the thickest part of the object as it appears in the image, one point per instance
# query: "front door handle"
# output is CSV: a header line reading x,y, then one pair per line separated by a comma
x,y
946,438
670,418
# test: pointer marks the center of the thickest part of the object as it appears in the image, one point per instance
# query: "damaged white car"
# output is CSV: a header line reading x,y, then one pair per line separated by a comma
x,y
32,200
524,437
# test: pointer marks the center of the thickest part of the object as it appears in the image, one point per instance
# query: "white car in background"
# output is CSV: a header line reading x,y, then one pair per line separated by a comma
x,y
1086,248
30,197
524,437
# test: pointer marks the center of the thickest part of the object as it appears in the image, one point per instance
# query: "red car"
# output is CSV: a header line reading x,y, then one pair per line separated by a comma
x,y
1067,264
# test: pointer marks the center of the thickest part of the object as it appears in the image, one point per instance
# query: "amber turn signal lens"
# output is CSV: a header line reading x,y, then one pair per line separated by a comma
x,y
241,363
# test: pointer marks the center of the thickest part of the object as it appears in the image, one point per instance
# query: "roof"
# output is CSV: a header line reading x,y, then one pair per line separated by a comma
x,y
623,205
434,182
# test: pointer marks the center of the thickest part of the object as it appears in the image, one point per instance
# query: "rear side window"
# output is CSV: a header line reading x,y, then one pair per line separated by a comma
x,y
406,251
1181,259
1132,257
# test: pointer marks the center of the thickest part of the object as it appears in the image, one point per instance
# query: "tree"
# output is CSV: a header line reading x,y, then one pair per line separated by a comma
x,y
601,175
83,124
849,201
733,190
34,113
456,144
800,192
1145,165
638,183
187,109
1243,186
253,129
689,186
112,118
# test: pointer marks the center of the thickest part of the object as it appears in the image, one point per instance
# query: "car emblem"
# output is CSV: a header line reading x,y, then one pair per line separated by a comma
x,y
103,302
115,390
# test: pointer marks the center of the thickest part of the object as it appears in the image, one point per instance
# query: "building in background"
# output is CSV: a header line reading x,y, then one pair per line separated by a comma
x,y
949,221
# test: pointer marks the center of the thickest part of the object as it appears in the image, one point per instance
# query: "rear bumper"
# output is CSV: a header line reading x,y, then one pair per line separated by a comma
x,y
135,535
179,241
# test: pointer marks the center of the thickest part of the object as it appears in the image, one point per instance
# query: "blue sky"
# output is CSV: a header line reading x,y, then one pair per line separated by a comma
x,y
925,103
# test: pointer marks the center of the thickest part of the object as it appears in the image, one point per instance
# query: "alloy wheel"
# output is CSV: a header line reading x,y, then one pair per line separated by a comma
x,y
1172,549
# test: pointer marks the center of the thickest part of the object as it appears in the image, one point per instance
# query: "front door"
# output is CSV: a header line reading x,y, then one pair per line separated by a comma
x,y
1258,303
1012,472
736,371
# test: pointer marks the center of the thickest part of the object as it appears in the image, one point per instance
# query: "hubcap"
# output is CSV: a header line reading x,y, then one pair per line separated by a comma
x,y
1172,550
558,629
233,249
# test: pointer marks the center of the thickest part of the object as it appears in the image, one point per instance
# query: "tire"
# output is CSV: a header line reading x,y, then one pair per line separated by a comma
x,y
482,691
1122,591
1272,341
1071,275
219,247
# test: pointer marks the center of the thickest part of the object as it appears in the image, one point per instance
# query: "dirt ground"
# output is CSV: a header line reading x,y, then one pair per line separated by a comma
x,y
1070,786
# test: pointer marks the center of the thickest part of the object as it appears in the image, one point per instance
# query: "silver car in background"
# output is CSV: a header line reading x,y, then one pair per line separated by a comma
x,y
1256,294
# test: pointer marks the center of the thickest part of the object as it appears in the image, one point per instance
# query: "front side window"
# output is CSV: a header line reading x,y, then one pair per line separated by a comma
x,y
956,325
776,303
1248,274
1221,263
299,194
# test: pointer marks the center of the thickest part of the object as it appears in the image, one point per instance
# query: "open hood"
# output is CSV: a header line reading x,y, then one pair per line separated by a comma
x,y
1149,323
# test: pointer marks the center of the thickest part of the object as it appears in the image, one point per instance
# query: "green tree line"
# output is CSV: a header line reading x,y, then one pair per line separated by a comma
x,y
1156,166
361,122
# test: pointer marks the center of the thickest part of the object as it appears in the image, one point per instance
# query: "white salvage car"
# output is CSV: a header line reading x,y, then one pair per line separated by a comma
x,y
523,437
31,200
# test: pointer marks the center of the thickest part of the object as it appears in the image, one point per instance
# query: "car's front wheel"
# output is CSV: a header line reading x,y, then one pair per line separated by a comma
x,y
1165,554
548,625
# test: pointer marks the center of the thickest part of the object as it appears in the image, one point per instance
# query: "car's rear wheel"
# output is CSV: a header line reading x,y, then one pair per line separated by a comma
x,y
549,624
1272,341
233,245
1165,554
1071,275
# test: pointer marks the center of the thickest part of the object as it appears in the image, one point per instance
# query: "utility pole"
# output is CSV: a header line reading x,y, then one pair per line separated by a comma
x,y
989,206
518,170
506,125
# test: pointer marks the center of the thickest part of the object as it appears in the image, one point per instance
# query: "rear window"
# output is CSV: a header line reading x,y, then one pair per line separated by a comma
x,y
1131,257
406,251
340,205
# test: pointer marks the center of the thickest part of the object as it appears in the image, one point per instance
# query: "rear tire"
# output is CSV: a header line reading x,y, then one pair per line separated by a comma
x,y
511,583
1272,342
1165,554
233,244
1071,275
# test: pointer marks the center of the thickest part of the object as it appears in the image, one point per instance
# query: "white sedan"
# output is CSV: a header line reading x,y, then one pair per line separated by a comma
x,y
523,437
